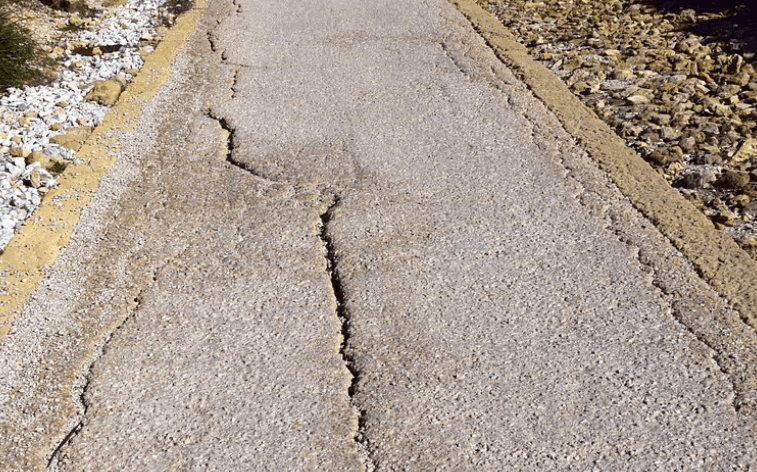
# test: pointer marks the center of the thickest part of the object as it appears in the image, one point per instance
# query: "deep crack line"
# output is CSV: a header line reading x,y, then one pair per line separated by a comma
x,y
230,148
230,134
67,438
343,314
234,80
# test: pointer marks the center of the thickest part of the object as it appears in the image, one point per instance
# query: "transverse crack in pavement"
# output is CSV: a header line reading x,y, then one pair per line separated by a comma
x,y
230,135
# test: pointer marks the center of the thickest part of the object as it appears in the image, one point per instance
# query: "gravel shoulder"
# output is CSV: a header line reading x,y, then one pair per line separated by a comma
x,y
91,51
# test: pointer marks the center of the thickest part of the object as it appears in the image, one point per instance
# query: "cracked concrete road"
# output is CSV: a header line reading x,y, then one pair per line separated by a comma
x,y
345,237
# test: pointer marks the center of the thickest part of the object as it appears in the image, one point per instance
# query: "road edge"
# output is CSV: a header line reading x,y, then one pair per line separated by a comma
x,y
717,258
34,249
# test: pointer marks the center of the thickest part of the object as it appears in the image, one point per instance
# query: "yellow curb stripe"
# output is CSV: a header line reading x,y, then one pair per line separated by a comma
x,y
730,270
39,242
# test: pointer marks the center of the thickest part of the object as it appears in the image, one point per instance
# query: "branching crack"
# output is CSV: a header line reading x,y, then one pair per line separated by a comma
x,y
343,314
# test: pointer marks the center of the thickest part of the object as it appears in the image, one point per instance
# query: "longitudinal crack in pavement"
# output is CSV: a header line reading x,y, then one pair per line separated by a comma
x,y
344,316
741,392
83,382
744,393
662,277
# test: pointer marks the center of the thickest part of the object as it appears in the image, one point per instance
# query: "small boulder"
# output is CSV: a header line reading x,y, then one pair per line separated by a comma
x,y
67,5
688,143
750,209
732,179
104,92
73,139
46,162
637,99
622,74
727,218
696,179
17,151
75,20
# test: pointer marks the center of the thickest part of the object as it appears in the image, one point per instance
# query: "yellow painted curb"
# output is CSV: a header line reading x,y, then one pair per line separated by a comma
x,y
730,270
37,245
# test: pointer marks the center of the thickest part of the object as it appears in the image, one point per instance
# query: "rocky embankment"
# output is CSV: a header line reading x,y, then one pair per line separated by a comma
x,y
94,48
679,85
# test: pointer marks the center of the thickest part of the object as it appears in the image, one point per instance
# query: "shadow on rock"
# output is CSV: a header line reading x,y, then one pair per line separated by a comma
x,y
737,26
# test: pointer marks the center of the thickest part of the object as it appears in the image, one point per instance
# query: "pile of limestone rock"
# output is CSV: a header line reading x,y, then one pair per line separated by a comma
x,y
678,85
95,48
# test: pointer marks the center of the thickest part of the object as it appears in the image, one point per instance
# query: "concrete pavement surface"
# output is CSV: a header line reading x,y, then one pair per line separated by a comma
x,y
343,236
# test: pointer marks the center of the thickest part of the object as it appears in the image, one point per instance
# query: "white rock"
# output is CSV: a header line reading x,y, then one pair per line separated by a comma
x,y
17,200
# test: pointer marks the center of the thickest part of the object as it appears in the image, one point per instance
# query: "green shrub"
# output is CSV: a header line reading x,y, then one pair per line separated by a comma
x,y
18,53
